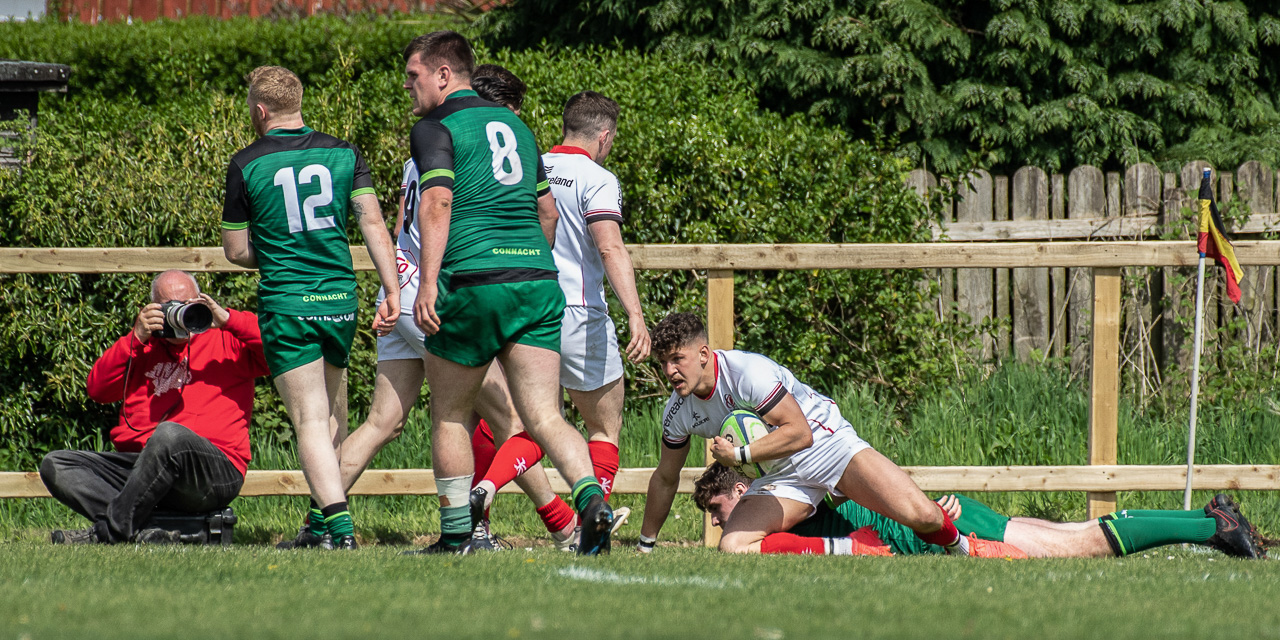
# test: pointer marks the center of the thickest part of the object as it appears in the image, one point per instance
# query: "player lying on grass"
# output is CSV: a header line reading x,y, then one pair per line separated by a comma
x,y
851,529
812,450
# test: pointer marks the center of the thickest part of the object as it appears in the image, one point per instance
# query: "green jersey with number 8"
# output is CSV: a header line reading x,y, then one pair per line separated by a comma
x,y
292,190
489,159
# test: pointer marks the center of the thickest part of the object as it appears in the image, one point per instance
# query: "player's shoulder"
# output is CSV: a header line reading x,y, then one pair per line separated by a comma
x,y
745,360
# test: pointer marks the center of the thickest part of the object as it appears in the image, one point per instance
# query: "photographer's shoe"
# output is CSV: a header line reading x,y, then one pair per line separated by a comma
x,y
156,535
74,536
304,540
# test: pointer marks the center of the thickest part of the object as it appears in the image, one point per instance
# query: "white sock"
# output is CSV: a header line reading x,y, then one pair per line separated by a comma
x,y
840,546
959,547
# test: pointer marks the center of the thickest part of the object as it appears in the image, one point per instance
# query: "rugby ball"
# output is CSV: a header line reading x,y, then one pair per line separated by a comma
x,y
743,427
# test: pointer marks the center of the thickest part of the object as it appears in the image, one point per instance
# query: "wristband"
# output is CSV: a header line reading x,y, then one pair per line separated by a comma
x,y
737,454
746,453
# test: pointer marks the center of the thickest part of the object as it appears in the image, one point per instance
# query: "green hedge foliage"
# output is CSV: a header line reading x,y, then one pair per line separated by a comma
x,y
697,158
1054,84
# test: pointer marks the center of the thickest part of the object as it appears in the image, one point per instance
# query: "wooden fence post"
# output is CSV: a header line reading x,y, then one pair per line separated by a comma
x,y
719,336
1104,398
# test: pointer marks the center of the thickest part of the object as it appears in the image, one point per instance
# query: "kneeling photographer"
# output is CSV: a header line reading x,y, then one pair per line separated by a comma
x,y
185,373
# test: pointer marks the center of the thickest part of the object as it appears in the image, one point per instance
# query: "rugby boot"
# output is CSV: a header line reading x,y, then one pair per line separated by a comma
x,y
74,536
439,547
597,527
619,518
570,543
1232,536
304,540
1225,501
343,542
477,501
481,540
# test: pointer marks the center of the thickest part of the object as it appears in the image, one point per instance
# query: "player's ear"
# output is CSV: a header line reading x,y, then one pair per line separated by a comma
x,y
739,489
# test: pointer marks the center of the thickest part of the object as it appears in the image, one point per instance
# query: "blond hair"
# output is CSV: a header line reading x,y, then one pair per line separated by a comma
x,y
277,88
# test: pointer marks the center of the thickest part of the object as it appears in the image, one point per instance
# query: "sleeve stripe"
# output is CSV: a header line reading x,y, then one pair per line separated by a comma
x,y
772,401
235,226
436,173
545,184
600,212
675,445
364,191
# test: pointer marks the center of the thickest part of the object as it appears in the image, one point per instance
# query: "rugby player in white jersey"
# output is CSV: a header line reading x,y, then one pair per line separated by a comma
x,y
588,249
812,450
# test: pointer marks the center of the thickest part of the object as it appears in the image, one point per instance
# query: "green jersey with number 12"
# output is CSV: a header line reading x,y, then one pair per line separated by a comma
x,y
483,153
292,190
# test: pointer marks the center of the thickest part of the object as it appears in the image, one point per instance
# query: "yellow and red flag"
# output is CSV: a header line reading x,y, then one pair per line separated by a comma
x,y
1213,241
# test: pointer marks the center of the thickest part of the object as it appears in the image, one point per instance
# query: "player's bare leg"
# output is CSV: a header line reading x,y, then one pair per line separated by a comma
x,y
395,390
314,397
758,516
533,378
454,388
494,404
1066,540
876,483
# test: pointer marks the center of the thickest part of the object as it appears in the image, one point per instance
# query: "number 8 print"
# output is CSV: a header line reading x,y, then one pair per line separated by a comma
x,y
504,150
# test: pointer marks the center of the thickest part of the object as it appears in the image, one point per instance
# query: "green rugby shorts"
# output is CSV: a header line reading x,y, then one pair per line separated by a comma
x,y
980,520
477,321
292,341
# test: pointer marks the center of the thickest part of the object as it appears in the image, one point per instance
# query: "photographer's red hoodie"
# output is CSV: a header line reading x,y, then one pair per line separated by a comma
x,y
205,385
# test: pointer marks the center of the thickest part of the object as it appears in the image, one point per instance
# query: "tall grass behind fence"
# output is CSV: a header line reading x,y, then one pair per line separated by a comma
x,y
1017,415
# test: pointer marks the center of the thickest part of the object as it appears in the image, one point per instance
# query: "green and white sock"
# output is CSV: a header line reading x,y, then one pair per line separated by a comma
x,y
455,524
315,519
337,520
584,490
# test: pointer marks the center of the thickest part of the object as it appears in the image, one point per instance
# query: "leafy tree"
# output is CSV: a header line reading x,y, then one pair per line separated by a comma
x,y
1053,83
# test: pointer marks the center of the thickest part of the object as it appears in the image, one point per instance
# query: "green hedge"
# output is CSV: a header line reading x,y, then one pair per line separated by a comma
x,y
697,158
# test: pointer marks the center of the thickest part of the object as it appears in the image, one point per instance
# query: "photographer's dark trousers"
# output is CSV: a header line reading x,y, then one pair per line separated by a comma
x,y
177,470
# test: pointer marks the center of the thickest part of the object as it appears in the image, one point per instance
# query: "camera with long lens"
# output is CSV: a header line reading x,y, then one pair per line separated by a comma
x,y
184,319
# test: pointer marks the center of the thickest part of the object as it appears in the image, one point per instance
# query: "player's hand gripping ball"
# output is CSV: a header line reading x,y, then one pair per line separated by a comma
x,y
741,428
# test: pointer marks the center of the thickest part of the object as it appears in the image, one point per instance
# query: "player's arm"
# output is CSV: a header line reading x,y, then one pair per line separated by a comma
x,y
431,146
548,215
792,436
368,214
622,277
237,246
662,491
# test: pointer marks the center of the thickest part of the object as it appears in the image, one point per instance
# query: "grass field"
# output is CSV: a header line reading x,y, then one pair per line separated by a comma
x,y
126,591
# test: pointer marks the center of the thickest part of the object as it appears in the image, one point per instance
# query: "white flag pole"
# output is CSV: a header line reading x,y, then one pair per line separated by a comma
x,y
1195,383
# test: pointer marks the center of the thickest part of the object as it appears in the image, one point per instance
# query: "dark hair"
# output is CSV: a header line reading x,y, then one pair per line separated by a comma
x,y
497,84
443,47
588,113
675,331
717,480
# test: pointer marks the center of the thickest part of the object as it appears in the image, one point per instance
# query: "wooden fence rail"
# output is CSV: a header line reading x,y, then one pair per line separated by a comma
x,y
1101,479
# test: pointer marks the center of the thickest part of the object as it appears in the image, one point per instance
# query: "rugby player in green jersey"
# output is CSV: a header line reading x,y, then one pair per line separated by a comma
x,y
488,287
288,197
851,529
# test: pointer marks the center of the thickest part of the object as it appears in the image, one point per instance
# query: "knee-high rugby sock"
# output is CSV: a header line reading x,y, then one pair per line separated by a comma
x,y
947,537
483,450
1194,514
337,520
1131,535
556,515
604,461
792,543
584,490
514,457
315,519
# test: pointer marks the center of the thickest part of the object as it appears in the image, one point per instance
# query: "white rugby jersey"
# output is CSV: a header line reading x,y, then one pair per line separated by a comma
x,y
585,192
746,380
408,243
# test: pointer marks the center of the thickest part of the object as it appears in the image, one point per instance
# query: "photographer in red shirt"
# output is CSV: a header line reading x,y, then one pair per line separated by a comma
x,y
182,442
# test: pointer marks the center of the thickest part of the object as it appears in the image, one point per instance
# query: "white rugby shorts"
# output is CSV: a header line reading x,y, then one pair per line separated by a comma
x,y
589,357
808,476
405,342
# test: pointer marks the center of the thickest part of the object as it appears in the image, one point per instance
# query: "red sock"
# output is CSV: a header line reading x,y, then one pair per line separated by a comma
x,y
792,543
556,515
514,457
604,460
943,537
483,449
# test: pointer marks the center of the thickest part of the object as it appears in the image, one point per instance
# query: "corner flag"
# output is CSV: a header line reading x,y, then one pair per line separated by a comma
x,y
1213,242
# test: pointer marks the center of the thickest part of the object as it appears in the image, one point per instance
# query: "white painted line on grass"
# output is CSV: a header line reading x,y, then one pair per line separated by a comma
x,y
610,577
